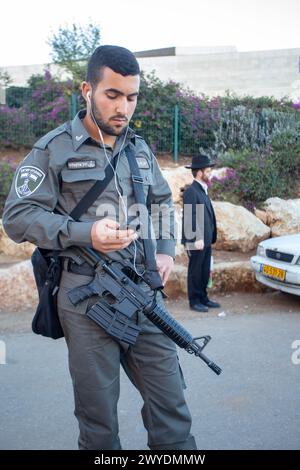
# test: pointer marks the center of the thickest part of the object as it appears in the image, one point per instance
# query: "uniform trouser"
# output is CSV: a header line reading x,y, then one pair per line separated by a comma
x,y
198,275
151,364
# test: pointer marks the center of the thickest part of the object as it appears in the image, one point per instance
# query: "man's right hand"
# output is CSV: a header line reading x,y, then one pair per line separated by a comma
x,y
106,236
199,244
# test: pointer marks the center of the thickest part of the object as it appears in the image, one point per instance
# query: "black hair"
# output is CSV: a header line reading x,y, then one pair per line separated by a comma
x,y
117,58
195,171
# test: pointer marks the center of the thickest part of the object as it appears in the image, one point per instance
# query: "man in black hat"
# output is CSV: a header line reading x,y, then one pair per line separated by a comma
x,y
199,232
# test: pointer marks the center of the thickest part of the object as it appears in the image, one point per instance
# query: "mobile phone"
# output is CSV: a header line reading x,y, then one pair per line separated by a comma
x,y
130,227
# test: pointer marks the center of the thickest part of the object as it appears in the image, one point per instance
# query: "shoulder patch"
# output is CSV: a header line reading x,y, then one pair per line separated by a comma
x,y
142,162
28,179
43,142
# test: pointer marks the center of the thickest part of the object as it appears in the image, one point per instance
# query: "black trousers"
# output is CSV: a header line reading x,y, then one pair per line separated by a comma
x,y
198,275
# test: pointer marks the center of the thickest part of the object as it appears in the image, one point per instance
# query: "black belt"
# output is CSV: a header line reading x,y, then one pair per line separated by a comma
x,y
86,270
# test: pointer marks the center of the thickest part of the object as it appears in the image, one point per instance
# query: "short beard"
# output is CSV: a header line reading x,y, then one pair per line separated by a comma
x,y
106,128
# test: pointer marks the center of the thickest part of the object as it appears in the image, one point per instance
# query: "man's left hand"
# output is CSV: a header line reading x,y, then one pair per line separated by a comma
x,y
165,264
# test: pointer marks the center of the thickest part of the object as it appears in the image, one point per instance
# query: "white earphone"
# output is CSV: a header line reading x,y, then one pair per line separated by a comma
x,y
88,97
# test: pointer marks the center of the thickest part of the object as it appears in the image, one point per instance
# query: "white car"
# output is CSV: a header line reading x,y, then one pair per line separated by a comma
x,y
277,263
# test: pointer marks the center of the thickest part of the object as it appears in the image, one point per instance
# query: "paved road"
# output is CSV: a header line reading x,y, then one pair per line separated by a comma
x,y
254,404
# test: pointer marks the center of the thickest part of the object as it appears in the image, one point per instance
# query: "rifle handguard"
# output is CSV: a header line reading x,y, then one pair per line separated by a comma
x,y
163,320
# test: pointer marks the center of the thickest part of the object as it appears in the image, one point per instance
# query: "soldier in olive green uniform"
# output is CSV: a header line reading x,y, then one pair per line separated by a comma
x,y
49,183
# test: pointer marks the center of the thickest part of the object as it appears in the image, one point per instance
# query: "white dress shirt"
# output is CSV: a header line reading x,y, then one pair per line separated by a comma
x,y
204,185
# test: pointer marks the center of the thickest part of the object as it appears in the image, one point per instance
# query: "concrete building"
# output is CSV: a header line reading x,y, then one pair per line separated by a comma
x,y
210,70
214,70
21,73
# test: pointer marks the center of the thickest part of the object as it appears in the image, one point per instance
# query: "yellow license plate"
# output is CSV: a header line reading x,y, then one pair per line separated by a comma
x,y
275,273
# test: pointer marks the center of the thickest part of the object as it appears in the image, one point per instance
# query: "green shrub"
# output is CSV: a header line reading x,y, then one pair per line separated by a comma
x,y
245,128
256,104
17,96
6,178
286,153
254,176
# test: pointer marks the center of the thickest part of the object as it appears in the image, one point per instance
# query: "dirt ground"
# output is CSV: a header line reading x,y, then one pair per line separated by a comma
x,y
235,303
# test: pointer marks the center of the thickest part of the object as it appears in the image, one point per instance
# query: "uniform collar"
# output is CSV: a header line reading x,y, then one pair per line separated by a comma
x,y
79,132
81,135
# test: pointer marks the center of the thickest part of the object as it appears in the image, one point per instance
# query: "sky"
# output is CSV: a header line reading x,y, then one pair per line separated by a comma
x,y
249,25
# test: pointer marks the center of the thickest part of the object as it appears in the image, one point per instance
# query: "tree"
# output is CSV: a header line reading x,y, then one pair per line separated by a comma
x,y
71,48
5,79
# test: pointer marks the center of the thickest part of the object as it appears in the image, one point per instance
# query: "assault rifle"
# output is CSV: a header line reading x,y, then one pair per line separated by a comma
x,y
116,283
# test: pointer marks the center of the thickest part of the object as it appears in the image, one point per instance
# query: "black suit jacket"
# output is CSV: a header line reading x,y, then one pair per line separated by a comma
x,y
194,195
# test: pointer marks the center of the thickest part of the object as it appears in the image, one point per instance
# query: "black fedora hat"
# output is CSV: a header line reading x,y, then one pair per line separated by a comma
x,y
200,161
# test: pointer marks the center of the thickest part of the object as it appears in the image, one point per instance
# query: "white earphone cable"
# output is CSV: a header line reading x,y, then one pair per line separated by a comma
x,y
117,183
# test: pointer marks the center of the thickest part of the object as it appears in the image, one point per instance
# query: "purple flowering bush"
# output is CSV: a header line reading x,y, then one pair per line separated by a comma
x,y
226,187
48,106
296,105
45,106
154,116
210,124
16,127
199,121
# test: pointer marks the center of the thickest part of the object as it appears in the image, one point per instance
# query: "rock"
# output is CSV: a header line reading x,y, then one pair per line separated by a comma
x,y
17,287
261,215
227,277
15,250
238,228
283,216
178,178
234,276
176,285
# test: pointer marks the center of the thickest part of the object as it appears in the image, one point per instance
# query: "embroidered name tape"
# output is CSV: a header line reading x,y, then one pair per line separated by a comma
x,y
142,162
81,164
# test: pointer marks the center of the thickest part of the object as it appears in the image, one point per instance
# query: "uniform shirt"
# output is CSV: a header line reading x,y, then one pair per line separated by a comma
x,y
62,166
